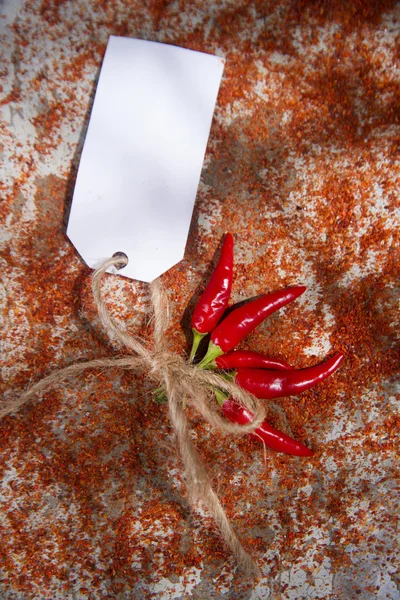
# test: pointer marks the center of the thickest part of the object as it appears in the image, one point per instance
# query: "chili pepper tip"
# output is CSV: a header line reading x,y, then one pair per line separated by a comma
x,y
272,438
251,360
214,300
267,384
241,321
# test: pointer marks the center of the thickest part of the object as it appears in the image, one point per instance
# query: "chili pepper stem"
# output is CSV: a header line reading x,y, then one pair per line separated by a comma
x,y
160,396
220,396
197,337
212,353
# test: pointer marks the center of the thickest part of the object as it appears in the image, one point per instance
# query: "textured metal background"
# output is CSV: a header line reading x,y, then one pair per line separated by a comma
x,y
303,167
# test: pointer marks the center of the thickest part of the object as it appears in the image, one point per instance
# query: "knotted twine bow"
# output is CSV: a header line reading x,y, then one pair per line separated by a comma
x,y
181,380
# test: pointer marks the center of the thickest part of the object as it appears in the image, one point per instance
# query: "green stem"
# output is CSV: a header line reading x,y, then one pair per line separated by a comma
x,y
160,396
220,396
212,353
197,337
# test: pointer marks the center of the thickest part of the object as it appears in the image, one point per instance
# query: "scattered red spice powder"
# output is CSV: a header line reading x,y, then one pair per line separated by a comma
x,y
302,167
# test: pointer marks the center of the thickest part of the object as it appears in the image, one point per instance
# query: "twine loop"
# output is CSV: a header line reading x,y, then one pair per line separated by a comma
x,y
184,384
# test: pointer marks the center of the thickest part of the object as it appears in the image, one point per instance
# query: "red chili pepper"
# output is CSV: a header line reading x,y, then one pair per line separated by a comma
x,y
249,359
244,319
271,437
214,300
270,384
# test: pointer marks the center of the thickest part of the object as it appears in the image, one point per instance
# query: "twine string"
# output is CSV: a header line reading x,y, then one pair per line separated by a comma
x,y
182,380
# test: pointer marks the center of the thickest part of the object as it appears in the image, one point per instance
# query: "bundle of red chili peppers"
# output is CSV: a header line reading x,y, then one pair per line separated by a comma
x,y
261,375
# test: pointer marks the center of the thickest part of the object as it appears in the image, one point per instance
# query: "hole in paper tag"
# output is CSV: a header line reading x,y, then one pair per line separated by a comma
x,y
122,264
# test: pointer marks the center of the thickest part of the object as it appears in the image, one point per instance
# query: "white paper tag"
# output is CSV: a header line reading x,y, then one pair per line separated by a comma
x,y
143,154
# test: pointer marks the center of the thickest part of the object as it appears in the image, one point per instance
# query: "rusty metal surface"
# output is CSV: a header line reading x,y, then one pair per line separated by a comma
x,y
303,168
